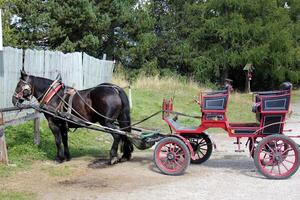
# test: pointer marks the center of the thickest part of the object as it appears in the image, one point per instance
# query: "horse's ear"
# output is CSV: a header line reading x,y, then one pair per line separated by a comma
x,y
23,74
58,77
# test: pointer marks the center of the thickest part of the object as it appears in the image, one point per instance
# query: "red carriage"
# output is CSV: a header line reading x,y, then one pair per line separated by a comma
x,y
275,155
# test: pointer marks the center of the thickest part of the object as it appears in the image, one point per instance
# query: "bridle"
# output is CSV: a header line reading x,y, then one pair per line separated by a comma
x,y
26,91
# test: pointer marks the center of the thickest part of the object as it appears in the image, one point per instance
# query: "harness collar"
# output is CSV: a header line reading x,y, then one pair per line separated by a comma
x,y
52,90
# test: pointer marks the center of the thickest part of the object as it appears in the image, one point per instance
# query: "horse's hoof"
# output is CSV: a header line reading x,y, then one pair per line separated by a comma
x,y
58,161
113,160
125,158
67,157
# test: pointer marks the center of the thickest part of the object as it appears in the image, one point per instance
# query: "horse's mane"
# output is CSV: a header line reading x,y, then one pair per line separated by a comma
x,y
43,82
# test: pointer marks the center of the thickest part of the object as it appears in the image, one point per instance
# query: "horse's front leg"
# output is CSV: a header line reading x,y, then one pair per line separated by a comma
x,y
64,134
56,130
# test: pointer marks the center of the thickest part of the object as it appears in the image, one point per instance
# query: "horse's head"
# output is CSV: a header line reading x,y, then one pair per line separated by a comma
x,y
23,90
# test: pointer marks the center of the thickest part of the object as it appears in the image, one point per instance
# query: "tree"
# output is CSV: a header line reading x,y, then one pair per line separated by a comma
x,y
68,25
208,40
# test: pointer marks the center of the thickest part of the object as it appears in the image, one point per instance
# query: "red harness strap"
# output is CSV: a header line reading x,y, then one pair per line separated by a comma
x,y
51,92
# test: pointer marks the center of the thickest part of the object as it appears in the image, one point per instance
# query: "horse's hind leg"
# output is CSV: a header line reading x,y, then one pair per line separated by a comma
x,y
114,149
127,148
127,145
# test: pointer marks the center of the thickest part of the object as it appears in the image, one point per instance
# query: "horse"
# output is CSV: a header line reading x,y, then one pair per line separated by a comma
x,y
104,104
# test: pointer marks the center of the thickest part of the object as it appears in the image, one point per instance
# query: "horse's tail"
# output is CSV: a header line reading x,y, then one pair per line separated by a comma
x,y
124,118
125,122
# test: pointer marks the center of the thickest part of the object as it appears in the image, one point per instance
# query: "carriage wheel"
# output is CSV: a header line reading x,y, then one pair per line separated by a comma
x,y
202,146
171,156
277,157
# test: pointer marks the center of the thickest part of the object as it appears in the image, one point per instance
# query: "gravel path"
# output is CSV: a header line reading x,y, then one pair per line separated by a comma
x,y
227,175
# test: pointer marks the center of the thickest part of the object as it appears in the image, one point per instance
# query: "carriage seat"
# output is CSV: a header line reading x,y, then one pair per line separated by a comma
x,y
178,126
280,103
274,104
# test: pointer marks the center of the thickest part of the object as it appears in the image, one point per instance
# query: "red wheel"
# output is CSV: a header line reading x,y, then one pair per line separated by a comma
x,y
171,156
277,157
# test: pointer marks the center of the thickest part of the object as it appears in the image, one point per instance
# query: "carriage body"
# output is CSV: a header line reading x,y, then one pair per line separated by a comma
x,y
271,109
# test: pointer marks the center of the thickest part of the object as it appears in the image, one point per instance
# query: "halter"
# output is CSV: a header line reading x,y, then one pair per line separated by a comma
x,y
27,86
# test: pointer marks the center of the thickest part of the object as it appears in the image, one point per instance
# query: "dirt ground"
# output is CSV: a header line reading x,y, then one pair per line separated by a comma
x,y
226,175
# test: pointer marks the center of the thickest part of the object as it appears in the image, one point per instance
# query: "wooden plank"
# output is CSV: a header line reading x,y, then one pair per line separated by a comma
x,y
3,149
22,120
24,107
1,118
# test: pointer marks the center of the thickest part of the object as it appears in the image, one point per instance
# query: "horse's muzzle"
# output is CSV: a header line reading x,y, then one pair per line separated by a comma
x,y
17,102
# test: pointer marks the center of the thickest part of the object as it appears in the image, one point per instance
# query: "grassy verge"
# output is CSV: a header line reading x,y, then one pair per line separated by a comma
x,y
296,96
12,195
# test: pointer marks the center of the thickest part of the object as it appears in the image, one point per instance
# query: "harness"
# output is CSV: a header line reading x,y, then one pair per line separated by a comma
x,y
52,90
64,104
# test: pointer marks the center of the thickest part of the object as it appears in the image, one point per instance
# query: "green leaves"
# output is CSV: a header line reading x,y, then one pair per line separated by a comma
x,y
207,40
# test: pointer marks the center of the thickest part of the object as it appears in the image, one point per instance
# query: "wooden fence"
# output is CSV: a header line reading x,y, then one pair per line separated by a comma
x,y
35,116
77,69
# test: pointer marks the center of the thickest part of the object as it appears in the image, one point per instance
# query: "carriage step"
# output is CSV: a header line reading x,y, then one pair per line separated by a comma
x,y
239,150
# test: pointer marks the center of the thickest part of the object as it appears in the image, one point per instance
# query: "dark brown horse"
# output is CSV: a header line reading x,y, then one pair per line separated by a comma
x,y
105,104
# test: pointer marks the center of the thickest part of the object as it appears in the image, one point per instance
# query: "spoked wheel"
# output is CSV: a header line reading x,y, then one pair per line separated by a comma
x,y
171,156
202,146
277,157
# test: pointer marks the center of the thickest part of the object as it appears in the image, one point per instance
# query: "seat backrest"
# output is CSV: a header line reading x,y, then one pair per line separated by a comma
x,y
215,101
275,103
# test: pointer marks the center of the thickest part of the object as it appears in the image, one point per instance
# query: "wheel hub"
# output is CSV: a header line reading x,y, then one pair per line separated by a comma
x,y
170,156
277,157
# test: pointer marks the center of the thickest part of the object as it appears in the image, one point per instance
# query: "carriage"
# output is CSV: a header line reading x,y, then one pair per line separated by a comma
x,y
275,155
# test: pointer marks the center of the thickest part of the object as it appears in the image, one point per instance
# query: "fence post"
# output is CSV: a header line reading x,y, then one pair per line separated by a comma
x,y
37,135
130,97
3,150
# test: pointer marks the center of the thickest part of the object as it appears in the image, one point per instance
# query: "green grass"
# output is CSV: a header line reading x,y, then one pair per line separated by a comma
x,y
12,195
296,96
22,152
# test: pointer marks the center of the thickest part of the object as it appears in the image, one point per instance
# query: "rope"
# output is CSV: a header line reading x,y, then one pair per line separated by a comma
x,y
141,121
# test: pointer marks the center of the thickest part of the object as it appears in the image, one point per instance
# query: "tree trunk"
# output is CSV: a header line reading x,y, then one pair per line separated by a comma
x,y
247,83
